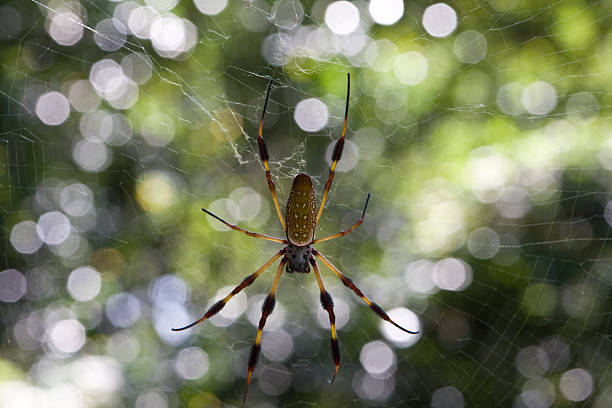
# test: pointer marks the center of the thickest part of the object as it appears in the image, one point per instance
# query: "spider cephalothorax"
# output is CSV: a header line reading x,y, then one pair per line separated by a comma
x,y
298,258
299,223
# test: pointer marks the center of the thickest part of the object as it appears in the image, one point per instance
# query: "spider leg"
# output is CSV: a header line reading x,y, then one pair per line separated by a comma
x,y
249,233
337,154
328,304
216,308
349,283
263,154
266,310
345,232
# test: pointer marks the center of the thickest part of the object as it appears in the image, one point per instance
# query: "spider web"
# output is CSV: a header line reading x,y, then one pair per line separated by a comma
x,y
485,147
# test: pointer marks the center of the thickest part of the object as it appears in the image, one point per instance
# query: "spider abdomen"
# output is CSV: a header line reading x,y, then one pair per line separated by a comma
x,y
301,211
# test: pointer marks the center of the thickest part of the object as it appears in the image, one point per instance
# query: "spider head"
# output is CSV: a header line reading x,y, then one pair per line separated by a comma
x,y
298,258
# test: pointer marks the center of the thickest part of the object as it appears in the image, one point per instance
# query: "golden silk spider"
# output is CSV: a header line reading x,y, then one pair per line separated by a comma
x,y
298,255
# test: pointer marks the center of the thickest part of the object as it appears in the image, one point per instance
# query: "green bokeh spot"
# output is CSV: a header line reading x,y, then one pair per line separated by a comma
x,y
540,299
575,26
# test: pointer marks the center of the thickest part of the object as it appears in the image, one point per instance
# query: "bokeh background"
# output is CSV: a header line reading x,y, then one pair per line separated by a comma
x,y
481,129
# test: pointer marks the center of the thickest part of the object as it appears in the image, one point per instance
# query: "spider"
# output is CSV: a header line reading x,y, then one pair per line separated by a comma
x,y
298,254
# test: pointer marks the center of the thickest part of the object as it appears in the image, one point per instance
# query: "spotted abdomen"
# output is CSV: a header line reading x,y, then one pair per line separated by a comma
x,y
301,211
